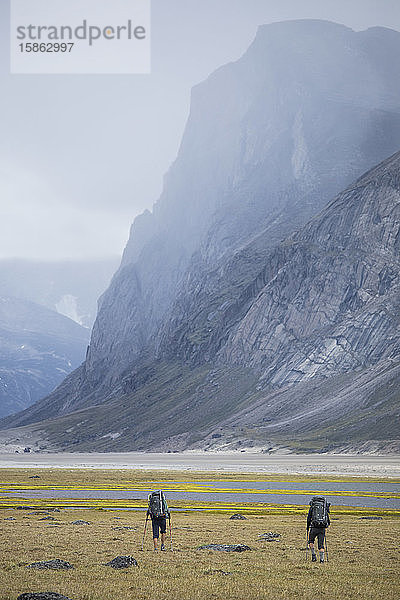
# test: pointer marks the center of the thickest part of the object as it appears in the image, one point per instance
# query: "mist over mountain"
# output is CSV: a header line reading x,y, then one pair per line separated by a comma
x,y
224,327
38,349
71,288
43,305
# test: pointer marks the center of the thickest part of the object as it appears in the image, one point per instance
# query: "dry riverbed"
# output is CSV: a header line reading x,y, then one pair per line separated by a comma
x,y
362,465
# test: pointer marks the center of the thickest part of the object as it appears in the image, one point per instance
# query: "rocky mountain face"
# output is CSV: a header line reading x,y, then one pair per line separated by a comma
x,y
269,141
213,321
330,301
38,349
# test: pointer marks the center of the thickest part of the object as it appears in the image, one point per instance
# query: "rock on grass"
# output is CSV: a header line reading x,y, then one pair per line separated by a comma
x,y
238,517
51,564
270,537
121,562
42,596
80,522
225,547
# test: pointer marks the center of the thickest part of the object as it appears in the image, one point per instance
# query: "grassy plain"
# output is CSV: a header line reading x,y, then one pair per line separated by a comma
x,y
363,555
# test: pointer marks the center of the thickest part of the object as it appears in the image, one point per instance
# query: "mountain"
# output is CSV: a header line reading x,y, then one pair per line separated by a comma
x,y
70,288
38,348
214,331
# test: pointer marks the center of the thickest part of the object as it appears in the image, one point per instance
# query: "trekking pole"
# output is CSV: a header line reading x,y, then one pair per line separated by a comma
x,y
326,548
144,533
307,545
170,531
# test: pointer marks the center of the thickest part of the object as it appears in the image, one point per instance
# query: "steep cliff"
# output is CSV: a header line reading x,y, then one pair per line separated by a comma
x,y
269,140
331,297
313,364
210,313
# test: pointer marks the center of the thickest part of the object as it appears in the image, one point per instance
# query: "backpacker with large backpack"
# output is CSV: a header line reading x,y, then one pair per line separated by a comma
x,y
319,512
158,504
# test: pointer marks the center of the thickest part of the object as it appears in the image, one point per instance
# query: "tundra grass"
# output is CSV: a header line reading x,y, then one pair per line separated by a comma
x,y
13,481
125,477
363,558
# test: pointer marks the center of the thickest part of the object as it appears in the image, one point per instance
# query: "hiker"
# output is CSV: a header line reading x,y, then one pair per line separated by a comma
x,y
317,522
158,512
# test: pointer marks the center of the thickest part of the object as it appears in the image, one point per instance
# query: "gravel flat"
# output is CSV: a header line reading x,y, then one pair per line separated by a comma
x,y
312,464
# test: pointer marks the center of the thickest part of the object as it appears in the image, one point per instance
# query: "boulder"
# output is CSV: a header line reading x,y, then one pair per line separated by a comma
x,y
270,537
225,547
50,564
122,562
42,596
238,517
39,512
80,522
217,572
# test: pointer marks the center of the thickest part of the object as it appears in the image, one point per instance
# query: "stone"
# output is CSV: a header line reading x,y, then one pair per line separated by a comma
x,y
10,519
371,518
217,572
50,564
122,562
225,547
238,517
38,512
80,522
34,477
126,528
25,507
49,518
42,596
269,537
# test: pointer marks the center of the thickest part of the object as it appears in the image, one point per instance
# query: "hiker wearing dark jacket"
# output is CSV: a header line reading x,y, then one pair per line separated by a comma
x,y
317,522
158,512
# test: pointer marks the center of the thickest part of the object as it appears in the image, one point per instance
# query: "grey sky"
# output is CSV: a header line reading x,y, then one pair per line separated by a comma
x,y
81,155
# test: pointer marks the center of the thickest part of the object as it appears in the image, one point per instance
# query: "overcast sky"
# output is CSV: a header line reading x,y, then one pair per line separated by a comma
x,y
82,155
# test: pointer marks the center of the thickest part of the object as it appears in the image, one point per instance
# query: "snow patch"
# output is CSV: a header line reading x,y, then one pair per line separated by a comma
x,y
68,307
113,436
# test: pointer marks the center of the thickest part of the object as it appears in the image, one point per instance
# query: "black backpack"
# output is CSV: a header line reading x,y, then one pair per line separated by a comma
x,y
157,504
319,512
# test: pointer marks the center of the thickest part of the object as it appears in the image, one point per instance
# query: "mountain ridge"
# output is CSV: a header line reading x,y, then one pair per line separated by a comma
x,y
270,140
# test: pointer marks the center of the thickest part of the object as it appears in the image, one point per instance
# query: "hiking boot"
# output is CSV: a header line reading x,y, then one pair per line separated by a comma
x,y
314,557
163,547
321,560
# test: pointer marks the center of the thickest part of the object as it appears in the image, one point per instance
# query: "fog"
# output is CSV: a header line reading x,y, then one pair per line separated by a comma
x,y
82,155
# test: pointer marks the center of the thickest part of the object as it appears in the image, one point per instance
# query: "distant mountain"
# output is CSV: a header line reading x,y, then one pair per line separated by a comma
x,y
71,288
215,332
38,348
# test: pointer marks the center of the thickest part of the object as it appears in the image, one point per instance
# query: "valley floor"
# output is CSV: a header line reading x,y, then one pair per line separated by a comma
x,y
363,558
363,551
308,464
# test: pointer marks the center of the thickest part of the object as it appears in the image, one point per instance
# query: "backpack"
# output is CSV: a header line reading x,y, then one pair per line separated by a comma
x,y
157,504
319,512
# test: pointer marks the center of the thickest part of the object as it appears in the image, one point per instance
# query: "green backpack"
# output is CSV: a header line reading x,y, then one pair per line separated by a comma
x,y
157,504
